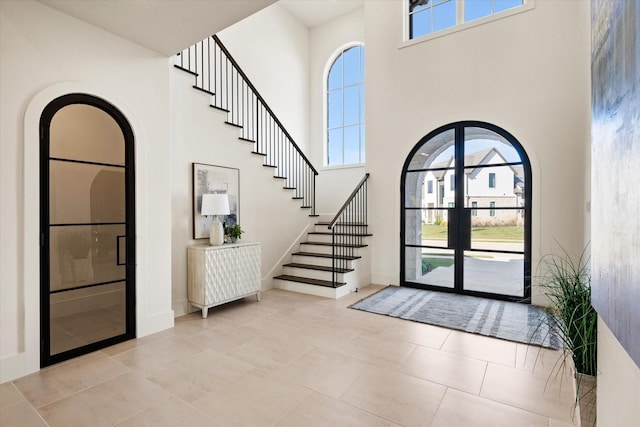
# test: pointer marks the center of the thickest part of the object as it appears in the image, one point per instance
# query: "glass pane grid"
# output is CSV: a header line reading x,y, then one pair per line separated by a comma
x,y
345,108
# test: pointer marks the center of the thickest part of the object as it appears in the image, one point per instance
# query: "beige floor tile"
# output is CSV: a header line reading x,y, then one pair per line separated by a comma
x,y
452,370
130,344
283,322
20,414
401,398
190,325
105,404
62,380
199,374
480,412
253,400
480,347
271,351
225,337
158,355
325,337
322,411
169,412
553,397
374,349
361,321
540,360
9,395
558,423
325,372
416,333
242,311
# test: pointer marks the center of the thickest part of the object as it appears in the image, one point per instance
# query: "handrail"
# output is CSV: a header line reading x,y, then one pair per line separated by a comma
x,y
219,75
349,199
266,106
349,236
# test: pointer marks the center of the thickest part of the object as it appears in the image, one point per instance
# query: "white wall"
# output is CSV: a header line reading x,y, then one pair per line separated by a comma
x,y
333,184
528,73
618,382
271,48
46,54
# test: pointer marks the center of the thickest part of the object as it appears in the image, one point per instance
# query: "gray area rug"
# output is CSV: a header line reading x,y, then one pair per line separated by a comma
x,y
511,321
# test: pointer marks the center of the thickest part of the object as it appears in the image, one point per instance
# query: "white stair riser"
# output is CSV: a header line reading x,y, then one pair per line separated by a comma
x,y
338,228
315,274
305,288
327,238
326,262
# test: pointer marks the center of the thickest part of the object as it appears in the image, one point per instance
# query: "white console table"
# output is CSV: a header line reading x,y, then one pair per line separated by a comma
x,y
220,274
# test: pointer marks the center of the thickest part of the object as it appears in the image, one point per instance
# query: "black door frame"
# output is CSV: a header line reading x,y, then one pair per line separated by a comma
x,y
460,219
46,117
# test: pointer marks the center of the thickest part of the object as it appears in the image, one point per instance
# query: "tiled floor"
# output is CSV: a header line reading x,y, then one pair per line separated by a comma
x,y
297,360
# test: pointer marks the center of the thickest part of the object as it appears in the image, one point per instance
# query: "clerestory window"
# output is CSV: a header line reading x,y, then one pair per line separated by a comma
x,y
430,16
345,108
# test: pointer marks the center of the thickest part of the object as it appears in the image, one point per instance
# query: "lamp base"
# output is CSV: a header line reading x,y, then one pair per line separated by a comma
x,y
216,233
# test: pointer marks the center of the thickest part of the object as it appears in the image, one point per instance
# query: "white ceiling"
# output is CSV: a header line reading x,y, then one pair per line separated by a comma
x,y
168,26
315,12
165,26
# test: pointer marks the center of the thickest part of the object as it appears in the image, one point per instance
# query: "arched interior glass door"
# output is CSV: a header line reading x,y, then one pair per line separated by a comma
x,y
466,213
87,228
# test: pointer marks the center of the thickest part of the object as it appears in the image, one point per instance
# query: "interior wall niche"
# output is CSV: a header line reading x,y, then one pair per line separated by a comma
x,y
615,154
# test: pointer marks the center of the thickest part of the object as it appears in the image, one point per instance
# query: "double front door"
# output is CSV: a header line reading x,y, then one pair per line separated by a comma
x,y
466,213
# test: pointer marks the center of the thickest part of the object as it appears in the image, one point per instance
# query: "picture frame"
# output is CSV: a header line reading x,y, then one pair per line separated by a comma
x,y
214,179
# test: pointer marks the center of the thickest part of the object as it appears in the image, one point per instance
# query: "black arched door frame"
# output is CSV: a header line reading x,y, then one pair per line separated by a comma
x,y
460,227
46,358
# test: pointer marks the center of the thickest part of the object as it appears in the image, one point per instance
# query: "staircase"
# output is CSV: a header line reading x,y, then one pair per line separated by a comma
x,y
218,75
327,262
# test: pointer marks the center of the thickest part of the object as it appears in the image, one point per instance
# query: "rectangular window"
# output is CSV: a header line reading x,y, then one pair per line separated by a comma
x,y
430,186
429,16
492,211
452,182
492,180
474,208
452,205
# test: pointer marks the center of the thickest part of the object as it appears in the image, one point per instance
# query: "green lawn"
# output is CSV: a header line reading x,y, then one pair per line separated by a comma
x,y
507,232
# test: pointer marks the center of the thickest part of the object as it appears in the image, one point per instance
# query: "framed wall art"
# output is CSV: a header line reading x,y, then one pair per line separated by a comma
x,y
214,179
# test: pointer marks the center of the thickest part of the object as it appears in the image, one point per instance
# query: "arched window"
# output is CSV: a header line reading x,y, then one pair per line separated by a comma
x,y
345,108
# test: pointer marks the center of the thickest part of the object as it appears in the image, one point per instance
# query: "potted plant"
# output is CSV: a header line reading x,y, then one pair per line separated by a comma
x,y
234,232
567,283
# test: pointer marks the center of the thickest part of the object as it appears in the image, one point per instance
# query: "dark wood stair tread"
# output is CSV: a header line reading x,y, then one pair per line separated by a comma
x,y
329,233
318,255
346,224
318,267
309,281
342,245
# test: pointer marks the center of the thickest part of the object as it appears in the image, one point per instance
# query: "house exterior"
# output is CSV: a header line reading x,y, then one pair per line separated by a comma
x,y
485,187
528,73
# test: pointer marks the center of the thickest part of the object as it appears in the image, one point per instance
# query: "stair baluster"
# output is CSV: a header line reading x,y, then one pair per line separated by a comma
x,y
349,228
218,74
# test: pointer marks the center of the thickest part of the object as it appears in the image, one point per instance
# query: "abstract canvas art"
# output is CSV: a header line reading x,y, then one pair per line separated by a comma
x,y
214,179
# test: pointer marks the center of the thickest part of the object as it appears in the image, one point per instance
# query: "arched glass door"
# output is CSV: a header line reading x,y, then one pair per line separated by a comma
x,y
87,227
466,213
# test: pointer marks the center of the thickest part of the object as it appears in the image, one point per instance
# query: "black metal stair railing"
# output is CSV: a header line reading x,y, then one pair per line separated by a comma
x,y
219,75
348,229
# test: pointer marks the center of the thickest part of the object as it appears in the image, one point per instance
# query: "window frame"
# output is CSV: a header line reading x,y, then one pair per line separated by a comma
x,y
460,24
325,124
492,208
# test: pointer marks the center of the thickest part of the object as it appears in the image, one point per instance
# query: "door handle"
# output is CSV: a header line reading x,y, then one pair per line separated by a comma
x,y
118,251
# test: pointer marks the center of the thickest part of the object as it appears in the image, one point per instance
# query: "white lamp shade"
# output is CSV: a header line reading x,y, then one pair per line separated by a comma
x,y
215,204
